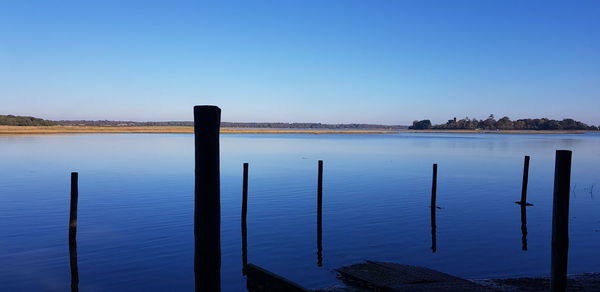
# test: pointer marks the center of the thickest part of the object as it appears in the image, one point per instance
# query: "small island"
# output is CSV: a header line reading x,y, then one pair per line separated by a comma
x,y
505,124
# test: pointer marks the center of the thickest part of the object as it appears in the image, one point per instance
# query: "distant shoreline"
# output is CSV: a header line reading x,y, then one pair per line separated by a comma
x,y
41,130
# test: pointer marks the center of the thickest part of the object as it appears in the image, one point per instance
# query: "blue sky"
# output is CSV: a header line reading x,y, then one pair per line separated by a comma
x,y
301,61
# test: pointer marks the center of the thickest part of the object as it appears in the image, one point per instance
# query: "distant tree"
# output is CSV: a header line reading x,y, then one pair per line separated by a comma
x,y
504,124
489,123
552,125
473,124
519,125
569,124
421,125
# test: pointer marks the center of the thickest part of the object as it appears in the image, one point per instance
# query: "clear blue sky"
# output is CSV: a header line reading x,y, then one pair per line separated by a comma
x,y
306,61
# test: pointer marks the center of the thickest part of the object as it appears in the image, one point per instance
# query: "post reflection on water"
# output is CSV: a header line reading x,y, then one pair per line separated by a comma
x,y
523,227
433,231
319,242
73,232
320,214
73,262
244,247
433,208
244,215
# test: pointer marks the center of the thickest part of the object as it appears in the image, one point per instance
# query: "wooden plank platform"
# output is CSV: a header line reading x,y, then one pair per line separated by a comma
x,y
261,280
391,277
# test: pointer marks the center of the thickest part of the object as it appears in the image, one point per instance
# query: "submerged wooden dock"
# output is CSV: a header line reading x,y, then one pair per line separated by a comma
x,y
382,276
392,277
371,276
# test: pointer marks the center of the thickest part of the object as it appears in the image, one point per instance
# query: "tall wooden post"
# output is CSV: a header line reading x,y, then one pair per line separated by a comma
x,y
320,215
74,201
73,232
433,209
560,220
525,181
244,215
434,186
207,205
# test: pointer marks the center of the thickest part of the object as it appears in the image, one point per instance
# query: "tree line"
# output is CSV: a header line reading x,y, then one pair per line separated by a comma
x,y
273,125
504,123
10,120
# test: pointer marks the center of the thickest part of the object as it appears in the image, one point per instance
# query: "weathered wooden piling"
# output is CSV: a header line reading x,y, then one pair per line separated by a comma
x,y
207,202
320,215
244,215
525,181
434,186
74,201
245,193
560,220
73,232
433,209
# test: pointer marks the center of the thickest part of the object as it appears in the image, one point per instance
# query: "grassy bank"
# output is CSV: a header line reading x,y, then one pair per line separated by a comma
x,y
38,130
33,130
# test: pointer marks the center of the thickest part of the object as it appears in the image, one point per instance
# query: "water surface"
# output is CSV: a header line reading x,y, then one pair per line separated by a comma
x,y
136,206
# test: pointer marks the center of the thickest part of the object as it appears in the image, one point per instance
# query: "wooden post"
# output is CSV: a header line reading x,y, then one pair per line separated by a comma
x,y
244,215
434,186
433,209
525,181
73,232
560,220
207,205
74,200
320,215
245,193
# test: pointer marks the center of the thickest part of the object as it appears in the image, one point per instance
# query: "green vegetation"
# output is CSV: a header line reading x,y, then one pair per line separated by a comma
x,y
274,125
10,120
504,123
421,125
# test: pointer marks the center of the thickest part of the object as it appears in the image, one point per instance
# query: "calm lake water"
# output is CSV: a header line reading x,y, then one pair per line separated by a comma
x,y
135,229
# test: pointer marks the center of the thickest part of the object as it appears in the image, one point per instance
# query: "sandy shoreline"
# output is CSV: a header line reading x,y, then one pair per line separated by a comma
x,y
40,130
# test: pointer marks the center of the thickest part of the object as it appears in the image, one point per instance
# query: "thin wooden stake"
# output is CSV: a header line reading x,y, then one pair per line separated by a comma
x,y
434,186
433,209
525,181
